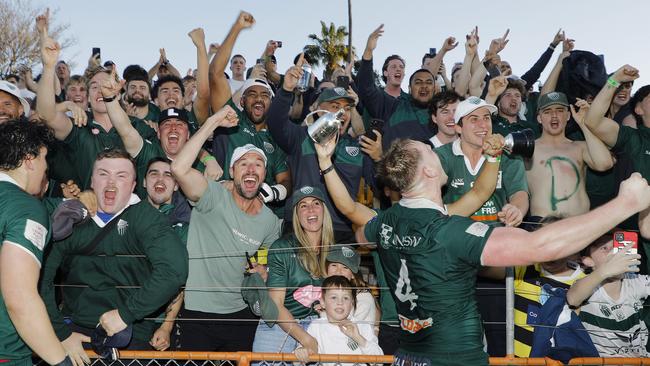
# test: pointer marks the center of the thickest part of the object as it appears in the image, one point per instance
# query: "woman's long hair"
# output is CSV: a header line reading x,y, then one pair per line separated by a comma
x,y
313,259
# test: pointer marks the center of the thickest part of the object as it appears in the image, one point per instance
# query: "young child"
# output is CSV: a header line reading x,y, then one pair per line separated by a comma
x,y
336,330
610,300
344,261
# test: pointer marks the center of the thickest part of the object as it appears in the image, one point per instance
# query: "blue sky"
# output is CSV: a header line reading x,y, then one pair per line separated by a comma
x,y
133,31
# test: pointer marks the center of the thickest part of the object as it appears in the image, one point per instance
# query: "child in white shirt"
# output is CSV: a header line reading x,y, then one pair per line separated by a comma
x,y
336,330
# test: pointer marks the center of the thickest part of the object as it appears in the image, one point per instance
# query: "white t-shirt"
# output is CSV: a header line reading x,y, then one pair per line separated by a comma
x,y
331,340
615,326
235,85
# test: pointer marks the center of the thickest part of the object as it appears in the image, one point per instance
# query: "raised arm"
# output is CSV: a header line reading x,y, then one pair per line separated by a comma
x,y
448,45
119,119
375,100
202,103
551,80
191,181
535,71
464,75
515,247
271,69
595,154
354,211
486,182
45,101
604,128
161,61
616,265
219,87
496,87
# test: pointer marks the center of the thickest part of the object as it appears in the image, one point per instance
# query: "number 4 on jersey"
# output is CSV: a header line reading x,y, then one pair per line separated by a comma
x,y
403,288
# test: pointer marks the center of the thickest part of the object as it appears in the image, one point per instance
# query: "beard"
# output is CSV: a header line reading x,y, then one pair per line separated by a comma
x,y
256,121
137,101
240,191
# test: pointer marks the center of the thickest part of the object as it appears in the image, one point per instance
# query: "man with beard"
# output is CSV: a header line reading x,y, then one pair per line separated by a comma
x,y
85,142
230,219
556,171
12,105
509,102
252,127
138,94
157,262
404,117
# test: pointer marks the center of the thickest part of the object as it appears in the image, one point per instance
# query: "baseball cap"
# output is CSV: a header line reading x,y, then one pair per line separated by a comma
x,y
170,113
243,150
259,82
469,105
550,99
10,88
346,256
256,294
105,346
306,191
330,94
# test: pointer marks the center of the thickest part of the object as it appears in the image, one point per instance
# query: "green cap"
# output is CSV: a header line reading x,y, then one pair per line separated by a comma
x,y
550,99
346,256
256,294
330,94
306,191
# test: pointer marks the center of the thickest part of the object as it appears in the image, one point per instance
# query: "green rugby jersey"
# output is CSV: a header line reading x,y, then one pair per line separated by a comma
x,y
430,261
285,271
24,222
511,179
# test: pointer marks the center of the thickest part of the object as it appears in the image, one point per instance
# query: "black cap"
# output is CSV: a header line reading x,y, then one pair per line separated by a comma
x,y
173,113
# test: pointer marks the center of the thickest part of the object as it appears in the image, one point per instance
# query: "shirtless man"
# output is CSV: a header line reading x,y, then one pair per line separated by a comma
x,y
556,172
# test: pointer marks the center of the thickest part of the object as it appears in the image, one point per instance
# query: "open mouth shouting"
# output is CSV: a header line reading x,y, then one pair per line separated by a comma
x,y
110,195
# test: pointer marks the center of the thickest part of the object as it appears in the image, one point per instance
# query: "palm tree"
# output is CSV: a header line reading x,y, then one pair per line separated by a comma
x,y
329,48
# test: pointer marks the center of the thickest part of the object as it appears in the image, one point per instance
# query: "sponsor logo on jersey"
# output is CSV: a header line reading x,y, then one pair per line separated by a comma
x,y
269,147
121,227
352,150
35,233
385,234
414,325
457,182
499,179
477,229
245,129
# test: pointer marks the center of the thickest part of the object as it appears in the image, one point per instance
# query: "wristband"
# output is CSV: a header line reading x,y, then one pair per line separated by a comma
x,y
109,99
66,362
613,83
552,46
323,172
207,158
493,159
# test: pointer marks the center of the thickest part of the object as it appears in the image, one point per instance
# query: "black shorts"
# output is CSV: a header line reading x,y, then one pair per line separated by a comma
x,y
235,331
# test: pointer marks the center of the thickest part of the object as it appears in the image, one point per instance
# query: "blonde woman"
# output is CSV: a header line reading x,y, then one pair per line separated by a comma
x,y
297,266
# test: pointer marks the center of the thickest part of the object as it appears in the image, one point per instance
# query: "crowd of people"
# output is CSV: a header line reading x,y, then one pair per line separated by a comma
x,y
220,212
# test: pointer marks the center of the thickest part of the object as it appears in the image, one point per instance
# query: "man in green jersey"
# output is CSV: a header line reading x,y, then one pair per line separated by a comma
x,y
24,228
431,259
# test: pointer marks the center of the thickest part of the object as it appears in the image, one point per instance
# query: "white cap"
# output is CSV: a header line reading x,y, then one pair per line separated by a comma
x,y
10,88
243,150
259,82
469,105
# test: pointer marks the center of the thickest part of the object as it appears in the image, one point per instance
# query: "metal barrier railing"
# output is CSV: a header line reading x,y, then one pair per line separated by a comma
x,y
192,358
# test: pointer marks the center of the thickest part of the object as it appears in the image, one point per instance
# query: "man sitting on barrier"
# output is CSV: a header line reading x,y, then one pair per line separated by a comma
x,y
431,259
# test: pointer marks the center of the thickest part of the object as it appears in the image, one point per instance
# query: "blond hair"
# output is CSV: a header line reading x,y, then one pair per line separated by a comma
x,y
313,260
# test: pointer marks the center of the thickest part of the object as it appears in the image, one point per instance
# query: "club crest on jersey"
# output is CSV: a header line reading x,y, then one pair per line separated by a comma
x,y
347,252
352,150
269,147
121,227
385,234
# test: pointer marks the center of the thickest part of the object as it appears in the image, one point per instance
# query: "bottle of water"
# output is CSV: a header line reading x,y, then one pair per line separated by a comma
x,y
303,83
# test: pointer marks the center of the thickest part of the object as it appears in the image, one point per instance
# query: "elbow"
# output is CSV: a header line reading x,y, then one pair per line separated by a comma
x,y
603,166
178,168
571,299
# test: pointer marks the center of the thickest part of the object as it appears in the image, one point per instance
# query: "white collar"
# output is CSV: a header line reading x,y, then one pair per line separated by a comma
x,y
132,201
4,177
456,150
422,203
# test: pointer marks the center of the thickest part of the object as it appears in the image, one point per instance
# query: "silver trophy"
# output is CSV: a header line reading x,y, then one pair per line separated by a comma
x,y
326,126
520,143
